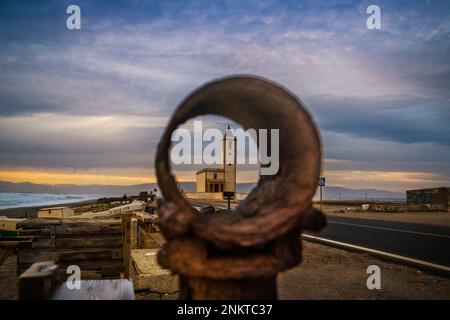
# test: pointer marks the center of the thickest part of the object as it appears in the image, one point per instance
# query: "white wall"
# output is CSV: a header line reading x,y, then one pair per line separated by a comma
x,y
204,195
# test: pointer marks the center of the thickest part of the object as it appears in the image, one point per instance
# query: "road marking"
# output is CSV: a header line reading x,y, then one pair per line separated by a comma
x,y
380,253
390,229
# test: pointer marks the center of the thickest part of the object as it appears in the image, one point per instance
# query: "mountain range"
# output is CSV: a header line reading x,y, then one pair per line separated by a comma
x,y
329,193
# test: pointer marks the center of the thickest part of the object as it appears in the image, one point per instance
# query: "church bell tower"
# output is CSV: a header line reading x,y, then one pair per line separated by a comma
x,y
229,163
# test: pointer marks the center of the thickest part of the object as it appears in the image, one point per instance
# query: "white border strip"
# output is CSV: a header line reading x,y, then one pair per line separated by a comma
x,y
393,256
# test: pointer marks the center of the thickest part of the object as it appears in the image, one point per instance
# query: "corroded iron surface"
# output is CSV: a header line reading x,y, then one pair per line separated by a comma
x,y
262,237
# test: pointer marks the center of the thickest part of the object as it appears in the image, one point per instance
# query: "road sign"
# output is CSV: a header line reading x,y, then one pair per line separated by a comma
x,y
322,182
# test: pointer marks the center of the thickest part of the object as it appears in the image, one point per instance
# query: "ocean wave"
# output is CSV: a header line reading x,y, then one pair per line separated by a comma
x,y
17,199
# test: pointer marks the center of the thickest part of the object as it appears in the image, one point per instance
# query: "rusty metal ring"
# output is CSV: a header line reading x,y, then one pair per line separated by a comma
x,y
280,202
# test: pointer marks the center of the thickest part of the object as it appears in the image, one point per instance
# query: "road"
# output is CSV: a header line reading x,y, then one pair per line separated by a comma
x,y
423,242
217,204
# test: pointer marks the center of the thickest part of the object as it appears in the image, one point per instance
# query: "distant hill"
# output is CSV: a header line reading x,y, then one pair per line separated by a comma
x,y
339,193
329,193
103,190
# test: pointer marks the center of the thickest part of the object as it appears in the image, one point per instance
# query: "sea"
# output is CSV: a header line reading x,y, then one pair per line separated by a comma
x,y
17,200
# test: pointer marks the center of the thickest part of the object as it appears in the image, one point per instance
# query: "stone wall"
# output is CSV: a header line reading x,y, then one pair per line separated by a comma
x,y
431,196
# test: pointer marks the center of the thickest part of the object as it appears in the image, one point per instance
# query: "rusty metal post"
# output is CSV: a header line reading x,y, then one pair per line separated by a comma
x,y
238,256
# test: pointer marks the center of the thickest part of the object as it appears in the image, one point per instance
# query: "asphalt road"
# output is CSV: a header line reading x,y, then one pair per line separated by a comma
x,y
418,241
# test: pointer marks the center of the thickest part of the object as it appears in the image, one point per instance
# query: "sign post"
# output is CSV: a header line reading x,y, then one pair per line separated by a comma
x,y
228,195
321,184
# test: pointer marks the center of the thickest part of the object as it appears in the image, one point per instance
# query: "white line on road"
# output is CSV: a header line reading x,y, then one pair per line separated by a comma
x,y
378,253
390,229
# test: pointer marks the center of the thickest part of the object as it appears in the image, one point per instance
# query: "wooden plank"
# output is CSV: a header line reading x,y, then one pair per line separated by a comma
x,y
158,238
104,229
106,254
15,238
145,217
5,254
126,242
133,233
42,223
41,244
15,244
36,256
145,241
69,232
38,223
113,271
74,228
90,241
29,256
75,250
106,264
37,233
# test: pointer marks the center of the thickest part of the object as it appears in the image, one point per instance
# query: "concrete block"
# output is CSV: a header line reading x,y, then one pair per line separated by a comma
x,y
148,275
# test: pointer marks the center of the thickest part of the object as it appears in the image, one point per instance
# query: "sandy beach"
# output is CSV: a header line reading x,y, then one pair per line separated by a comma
x,y
31,212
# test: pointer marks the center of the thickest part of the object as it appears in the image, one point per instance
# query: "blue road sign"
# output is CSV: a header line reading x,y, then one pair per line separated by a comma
x,y
322,182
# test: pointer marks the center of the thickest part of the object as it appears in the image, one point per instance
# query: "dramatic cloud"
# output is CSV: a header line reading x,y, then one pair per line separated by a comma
x,y
100,97
55,141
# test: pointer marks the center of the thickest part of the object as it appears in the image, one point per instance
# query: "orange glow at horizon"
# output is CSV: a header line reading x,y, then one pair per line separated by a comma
x,y
78,178
384,180
101,176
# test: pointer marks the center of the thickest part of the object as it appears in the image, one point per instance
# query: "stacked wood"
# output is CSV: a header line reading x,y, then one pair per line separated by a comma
x,y
93,245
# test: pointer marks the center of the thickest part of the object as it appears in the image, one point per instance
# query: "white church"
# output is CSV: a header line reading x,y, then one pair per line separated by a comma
x,y
219,183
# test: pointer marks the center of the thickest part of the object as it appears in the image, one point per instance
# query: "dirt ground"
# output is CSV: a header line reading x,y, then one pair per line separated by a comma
x,y
432,218
330,273
325,273
8,279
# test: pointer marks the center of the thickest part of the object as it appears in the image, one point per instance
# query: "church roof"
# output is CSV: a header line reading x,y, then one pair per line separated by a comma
x,y
209,170
228,133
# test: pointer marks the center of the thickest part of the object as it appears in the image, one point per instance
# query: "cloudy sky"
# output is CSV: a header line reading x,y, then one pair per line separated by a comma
x,y
89,106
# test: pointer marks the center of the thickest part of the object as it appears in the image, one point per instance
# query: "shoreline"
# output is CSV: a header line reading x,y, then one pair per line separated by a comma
x,y
31,211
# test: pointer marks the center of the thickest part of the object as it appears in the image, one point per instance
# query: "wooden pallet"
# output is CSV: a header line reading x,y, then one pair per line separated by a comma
x,y
95,245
